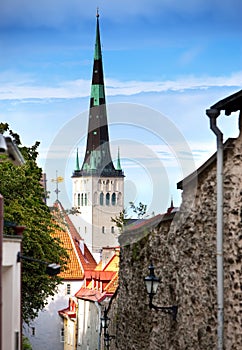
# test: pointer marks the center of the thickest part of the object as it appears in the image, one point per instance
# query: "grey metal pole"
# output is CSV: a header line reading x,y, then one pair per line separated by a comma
x,y
213,114
220,272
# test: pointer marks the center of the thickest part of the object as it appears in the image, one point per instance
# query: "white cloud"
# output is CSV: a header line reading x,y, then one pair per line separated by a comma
x,y
26,89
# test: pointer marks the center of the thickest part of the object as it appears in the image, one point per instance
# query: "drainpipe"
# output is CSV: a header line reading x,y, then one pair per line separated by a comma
x,y
1,252
99,324
213,113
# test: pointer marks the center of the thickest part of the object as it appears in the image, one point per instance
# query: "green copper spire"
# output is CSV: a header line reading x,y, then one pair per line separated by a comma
x,y
98,155
98,51
97,88
97,158
77,161
118,162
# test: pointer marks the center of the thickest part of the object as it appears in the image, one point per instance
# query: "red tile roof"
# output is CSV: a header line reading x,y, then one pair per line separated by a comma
x,y
70,311
112,285
99,275
113,264
90,294
101,283
87,260
80,260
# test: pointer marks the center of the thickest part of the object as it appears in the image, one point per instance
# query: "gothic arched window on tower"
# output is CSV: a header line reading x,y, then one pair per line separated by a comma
x,y
85,199
78,200
82,199
101,198
107,199
113,199
119,198
95,197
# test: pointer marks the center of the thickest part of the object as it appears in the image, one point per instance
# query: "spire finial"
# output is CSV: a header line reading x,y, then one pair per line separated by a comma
x,y
97,15
172,205
169,210
57,180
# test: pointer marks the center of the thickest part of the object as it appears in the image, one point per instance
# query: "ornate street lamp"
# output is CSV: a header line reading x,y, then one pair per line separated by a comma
x,y
152,282
105,321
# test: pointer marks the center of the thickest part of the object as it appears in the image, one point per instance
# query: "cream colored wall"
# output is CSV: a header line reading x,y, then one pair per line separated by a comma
x,y
11,293
70,334
93,216
88,325
83,220
48,324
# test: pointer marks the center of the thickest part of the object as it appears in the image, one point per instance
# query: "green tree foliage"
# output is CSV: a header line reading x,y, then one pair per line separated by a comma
x,y
139,210
122,218
24,206
26,344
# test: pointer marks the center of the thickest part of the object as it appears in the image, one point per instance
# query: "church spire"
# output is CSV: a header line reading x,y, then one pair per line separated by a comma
x,y
97,147
97,88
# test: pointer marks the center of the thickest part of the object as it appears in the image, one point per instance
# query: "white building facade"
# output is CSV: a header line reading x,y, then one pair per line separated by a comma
x,y
11,294
47,330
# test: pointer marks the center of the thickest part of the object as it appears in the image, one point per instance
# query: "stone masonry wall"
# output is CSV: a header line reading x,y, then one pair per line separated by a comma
x,y
184,253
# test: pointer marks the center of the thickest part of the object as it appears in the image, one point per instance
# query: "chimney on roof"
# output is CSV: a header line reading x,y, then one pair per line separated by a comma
x,y
82,246
107,254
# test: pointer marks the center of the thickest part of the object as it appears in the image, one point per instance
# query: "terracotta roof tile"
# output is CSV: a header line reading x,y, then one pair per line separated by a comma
x,y
113,264
105,280
112,285
78,261
99,266
73,270
70,311
87,259
89,294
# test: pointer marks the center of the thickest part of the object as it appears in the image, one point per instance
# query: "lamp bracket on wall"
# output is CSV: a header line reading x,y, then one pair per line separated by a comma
x,y
51,269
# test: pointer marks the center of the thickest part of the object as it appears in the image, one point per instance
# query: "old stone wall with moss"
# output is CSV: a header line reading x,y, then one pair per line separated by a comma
x,y
183,250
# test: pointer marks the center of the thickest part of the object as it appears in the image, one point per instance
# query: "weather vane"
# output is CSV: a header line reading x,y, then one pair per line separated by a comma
x,y
57,180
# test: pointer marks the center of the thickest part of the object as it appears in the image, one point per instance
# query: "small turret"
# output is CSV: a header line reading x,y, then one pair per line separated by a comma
x,y
118,162
77,161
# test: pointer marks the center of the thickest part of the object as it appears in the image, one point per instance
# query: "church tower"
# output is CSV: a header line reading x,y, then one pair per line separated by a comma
x,y
98,186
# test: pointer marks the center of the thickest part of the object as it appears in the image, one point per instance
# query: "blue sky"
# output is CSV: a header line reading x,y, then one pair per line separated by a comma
x,y
165,62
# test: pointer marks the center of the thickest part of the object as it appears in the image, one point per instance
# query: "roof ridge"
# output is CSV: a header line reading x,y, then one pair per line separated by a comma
x,y
83,261
71,227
